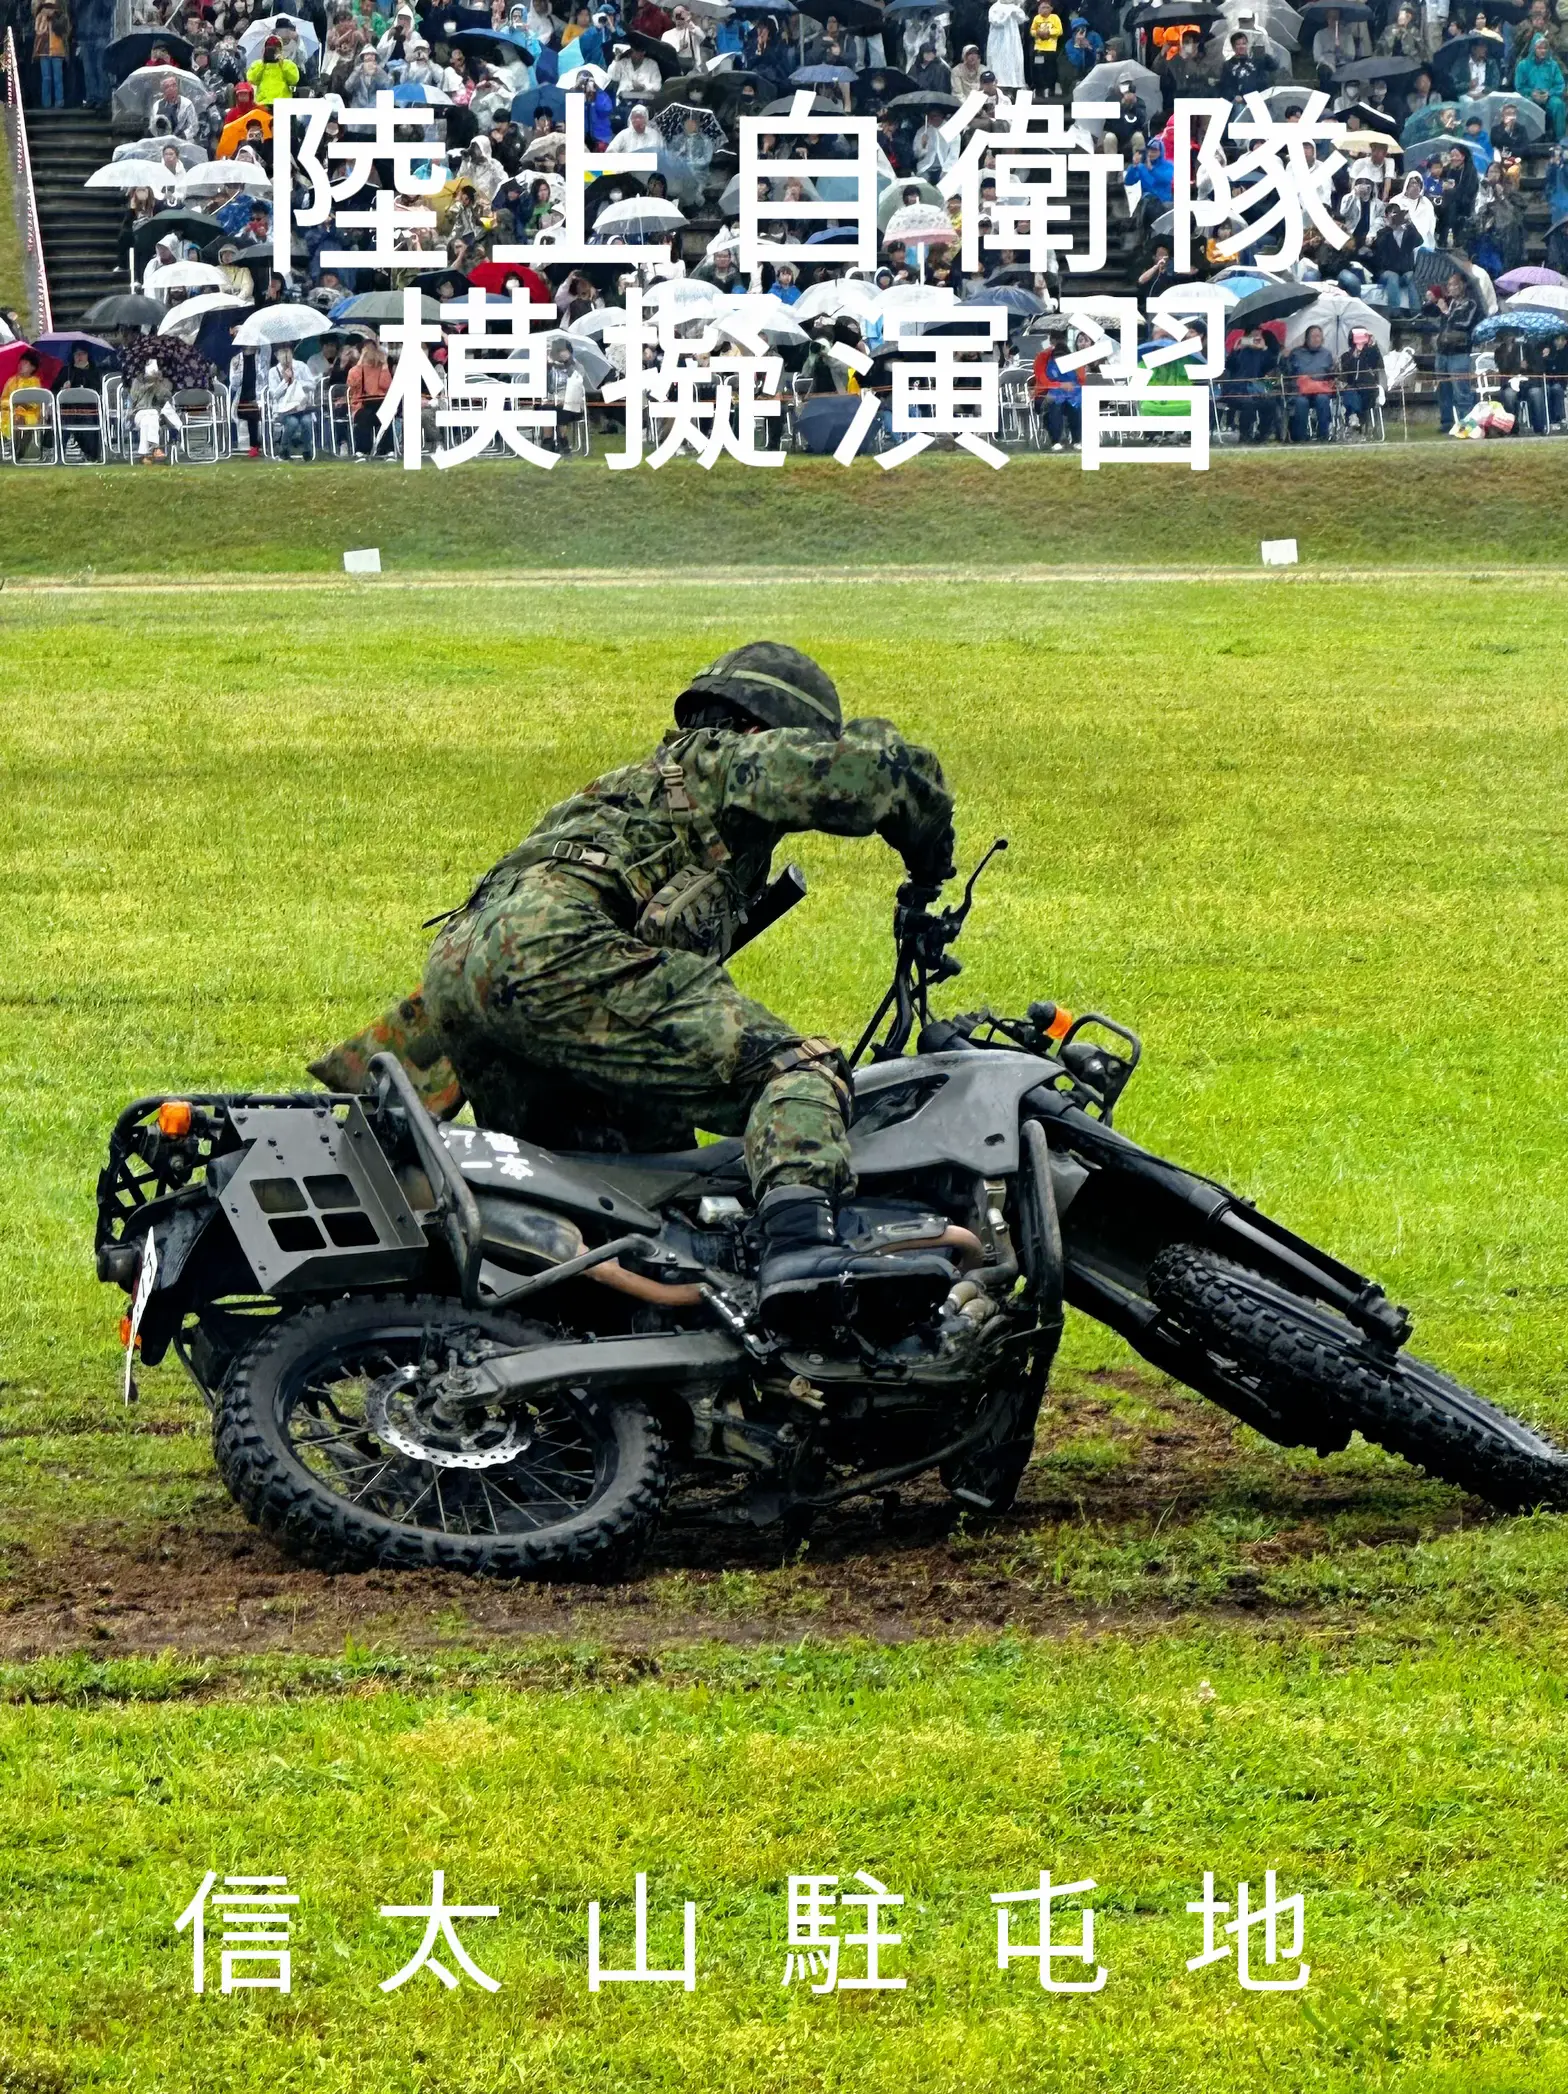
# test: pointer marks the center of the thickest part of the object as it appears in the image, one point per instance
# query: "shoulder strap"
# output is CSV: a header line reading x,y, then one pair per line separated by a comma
x,y
702,838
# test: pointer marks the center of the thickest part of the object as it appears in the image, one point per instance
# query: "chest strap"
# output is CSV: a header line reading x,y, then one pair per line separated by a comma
x,y
702,839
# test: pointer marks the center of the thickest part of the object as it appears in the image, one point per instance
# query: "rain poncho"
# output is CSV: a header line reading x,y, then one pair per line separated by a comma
x,y
1004,45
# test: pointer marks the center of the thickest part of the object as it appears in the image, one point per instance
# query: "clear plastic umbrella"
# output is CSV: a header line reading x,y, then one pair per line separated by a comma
x,y
640,215
835,295
592,362
256,36
281,323
189,276
152,149
133,174
769,317
214,175
134,99
1337,313
185,319
1102,83
1489,108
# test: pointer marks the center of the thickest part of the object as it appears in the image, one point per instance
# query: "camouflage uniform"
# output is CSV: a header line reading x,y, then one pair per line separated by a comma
x,y
558,1016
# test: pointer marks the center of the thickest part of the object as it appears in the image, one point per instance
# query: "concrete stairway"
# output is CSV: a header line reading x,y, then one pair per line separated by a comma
x,y
80,226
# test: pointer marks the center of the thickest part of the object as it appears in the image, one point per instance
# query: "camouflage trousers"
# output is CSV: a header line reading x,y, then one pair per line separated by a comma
x,y
564,1028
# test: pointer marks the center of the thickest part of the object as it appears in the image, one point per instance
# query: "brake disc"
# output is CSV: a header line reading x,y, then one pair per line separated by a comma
x,y
398,1411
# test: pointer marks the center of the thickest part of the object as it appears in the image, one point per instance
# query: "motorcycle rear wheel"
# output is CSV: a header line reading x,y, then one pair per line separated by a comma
x,y
345,1478
1304,1359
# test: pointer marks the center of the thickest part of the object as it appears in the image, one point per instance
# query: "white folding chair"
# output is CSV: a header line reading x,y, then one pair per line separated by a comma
x,y
80,413
200,440
24,440
114,416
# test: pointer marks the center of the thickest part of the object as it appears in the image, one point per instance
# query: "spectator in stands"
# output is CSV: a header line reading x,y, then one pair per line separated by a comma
x,y
176,110
1152,179
1393,258
51,48
368,385
368,82
272,76
1541,78
79,425
1458,187
1248,386
1245,72
1309,373
964,78
633,76
1402,38
1045,40
1081,53
1547,366
1130,125
1059,397
140,205
20,421
94,28
1496,230
1185,74
1337,44
152,407
291,393
1360,375
1456,311
686,40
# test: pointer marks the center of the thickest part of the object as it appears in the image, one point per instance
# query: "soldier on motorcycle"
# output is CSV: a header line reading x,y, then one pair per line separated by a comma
x,y
580,993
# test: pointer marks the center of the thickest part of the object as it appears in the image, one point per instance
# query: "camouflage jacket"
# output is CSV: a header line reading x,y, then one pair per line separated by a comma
x,y
630,833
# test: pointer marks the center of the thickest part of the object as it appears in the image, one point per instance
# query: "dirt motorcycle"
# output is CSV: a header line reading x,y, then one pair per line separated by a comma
x,y
438,1345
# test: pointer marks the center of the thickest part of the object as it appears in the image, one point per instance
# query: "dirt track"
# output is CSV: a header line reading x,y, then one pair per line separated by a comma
x,y
885,1571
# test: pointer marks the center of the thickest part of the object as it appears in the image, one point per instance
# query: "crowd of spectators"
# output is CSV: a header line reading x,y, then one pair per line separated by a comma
x,y
1450,120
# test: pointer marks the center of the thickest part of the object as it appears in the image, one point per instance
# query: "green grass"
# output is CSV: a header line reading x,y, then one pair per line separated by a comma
x,y
1425,504
1308,837
1368,1773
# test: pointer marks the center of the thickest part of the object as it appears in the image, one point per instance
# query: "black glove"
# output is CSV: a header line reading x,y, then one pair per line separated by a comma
x,y
933,863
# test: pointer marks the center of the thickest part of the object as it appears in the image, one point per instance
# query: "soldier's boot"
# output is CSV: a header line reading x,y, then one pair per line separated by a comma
x,y
808,1281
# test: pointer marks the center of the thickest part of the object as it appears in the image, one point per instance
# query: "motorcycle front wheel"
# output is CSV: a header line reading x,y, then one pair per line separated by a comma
x,y
1305,1362
331,1438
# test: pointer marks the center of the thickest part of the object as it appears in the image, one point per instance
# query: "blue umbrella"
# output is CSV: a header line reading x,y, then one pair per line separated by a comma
x,y
1537,322
526,106
409,94
61,345
821,75
832,236
547,66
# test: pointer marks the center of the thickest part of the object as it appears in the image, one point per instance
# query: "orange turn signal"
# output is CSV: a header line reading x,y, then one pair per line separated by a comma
x,y
174,1117
1061,1025
125,1333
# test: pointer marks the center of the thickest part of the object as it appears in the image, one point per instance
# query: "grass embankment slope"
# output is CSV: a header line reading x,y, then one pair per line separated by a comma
x,y
1309,839
1428,504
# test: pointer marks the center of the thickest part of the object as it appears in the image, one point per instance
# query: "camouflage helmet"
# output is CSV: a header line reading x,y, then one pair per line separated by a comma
x,y
772,683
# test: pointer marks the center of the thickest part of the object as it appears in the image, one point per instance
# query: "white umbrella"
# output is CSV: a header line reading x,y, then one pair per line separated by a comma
x,y
188,276
281,323
152,149
769,317
899,298
644,214
1336,312
1549,297
187,318
132,174
834,295
258,32
603,320
214,175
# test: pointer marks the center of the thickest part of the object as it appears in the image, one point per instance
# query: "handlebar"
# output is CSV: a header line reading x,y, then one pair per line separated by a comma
x,y
921,937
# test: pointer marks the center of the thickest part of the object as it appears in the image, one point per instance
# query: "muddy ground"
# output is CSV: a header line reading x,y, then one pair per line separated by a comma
x,y
894,1569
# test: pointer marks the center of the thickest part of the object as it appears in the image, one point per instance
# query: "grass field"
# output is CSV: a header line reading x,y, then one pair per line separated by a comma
x,y
1426,504
1308,837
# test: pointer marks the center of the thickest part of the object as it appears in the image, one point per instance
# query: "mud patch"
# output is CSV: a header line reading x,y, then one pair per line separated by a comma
x,y
1141,1503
